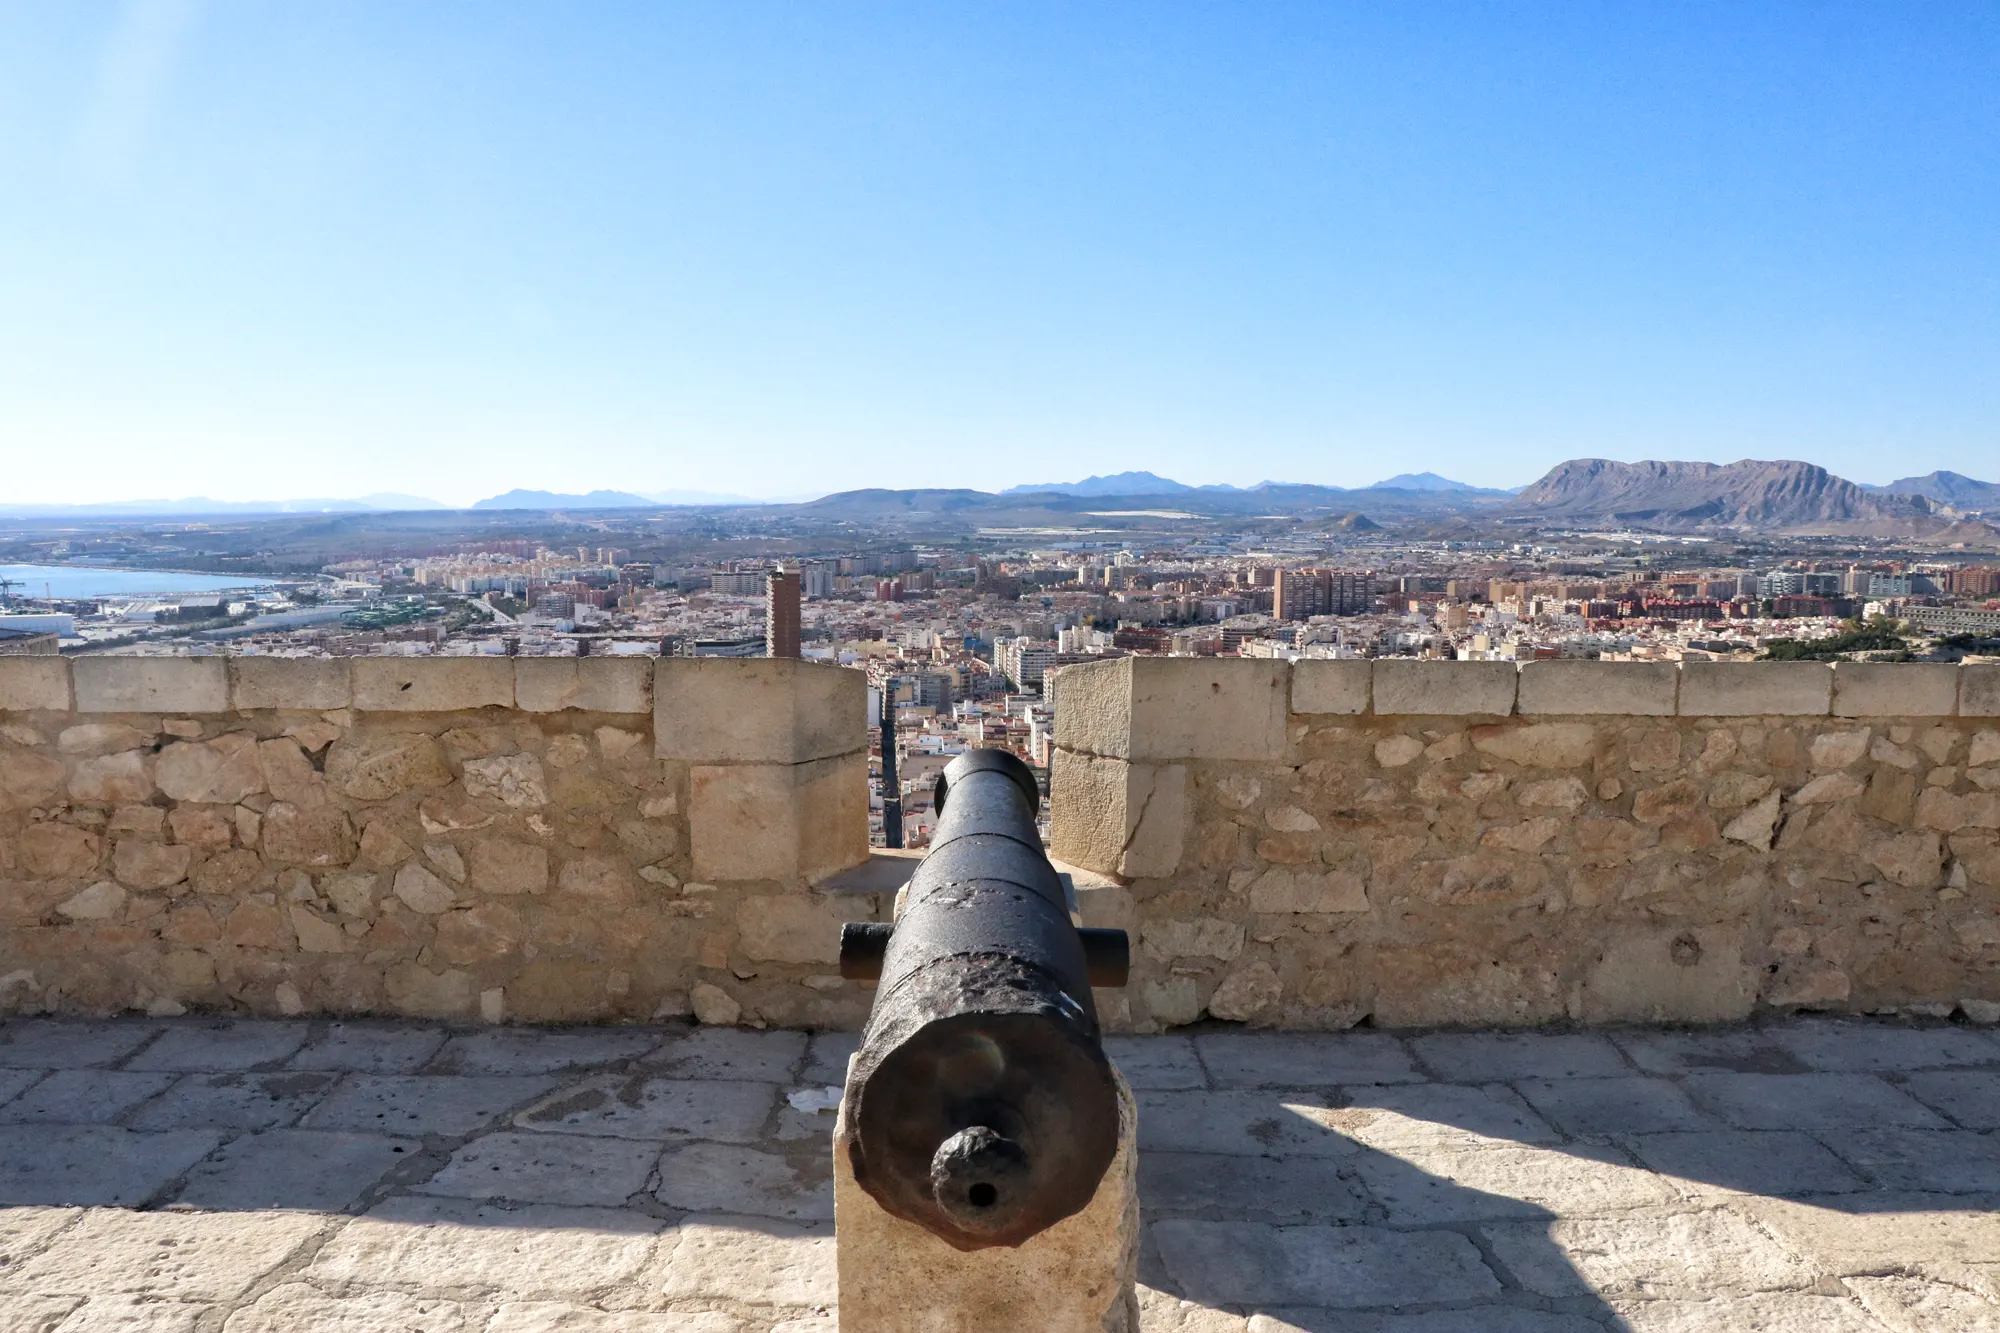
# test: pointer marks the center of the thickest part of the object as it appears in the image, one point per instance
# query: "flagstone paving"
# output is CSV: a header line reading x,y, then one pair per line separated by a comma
x,y
217,1176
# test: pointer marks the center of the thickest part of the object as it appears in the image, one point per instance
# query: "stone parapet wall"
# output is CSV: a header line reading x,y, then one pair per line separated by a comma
x,y
1411,843
462,838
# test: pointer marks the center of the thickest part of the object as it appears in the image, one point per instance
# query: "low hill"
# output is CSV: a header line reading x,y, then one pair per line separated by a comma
x,y
1431,481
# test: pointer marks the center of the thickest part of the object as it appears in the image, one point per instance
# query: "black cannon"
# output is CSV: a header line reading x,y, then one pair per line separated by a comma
x,y
981,1106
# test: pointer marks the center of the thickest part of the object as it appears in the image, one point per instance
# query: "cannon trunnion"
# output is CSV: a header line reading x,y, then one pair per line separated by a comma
x,y
981,1105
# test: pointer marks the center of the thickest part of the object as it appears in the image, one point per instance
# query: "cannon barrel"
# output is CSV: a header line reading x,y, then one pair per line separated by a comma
x,y
981,1106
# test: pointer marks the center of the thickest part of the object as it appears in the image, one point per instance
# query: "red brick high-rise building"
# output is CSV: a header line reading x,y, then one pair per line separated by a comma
x,y
781,614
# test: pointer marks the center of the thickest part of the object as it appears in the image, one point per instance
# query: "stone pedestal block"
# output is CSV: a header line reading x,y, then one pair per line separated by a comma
x,y
1076,1277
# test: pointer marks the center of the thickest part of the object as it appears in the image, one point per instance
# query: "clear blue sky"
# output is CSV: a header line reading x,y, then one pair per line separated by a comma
x,y
261,248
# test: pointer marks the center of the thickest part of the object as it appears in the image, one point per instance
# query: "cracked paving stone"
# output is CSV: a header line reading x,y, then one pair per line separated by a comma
x,y
1250,1189
459,1247
298,1308
1947,1161
203,1046
25,1230
1687,1256
543,1317
1880,1232
743,1054
749,1259
1501,1057
1787,1312
1807,1101
1606,1106
1487,1319
826,1058
1161,1063
1240,1124
368,1048
420,1104
1748,1161
1970,1097
1248,1263
1857,1047
642,1107
1393,1117
1915,1305
129,1314
233,1101
1162,1313
547,1168
84,1096
94,1164
14,1082
713,1177
166,1256
539,1051
1726,1050
1271,1060
1451,1183
39,1314
295,1169
54,1043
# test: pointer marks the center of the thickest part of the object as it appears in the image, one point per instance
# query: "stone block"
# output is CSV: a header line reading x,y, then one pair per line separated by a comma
x,y
1174,708
778,821
461,1245
1979,689
1697,975
1250,1263
1808,1101
166,1256
592,684
1118,818
1895,689
303,683
547,1168
432,684
757,711
1752,689
1331,687
1624,689
151,684
791,928
1078,1276
30,683
1411,688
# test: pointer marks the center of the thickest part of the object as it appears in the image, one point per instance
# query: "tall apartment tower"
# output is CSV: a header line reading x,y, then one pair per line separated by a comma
x,y
781,614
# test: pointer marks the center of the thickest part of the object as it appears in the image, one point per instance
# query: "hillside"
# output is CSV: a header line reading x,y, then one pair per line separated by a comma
x,y
1951,488
1781,496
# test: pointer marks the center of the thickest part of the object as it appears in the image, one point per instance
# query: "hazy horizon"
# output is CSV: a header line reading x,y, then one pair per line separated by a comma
x,y
263,252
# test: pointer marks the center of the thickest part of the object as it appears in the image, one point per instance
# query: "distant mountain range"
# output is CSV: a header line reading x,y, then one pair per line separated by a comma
x,y
1150,483
1778,496
518,499
1594,493
1950,488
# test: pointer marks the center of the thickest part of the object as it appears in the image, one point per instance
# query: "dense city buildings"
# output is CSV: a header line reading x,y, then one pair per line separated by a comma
x,y
961,631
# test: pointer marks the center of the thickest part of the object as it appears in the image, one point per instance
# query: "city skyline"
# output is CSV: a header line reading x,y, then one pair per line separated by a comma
x,y
256,253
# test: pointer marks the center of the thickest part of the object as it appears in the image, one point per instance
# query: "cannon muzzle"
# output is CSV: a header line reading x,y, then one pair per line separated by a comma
x,y
981,1106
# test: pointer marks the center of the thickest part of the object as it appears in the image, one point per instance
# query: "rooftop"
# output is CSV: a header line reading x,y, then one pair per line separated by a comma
x,y
238,1176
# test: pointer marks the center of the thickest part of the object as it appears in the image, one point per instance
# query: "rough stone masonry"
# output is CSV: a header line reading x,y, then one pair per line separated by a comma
x,y
1304,846
456,838
1440,843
